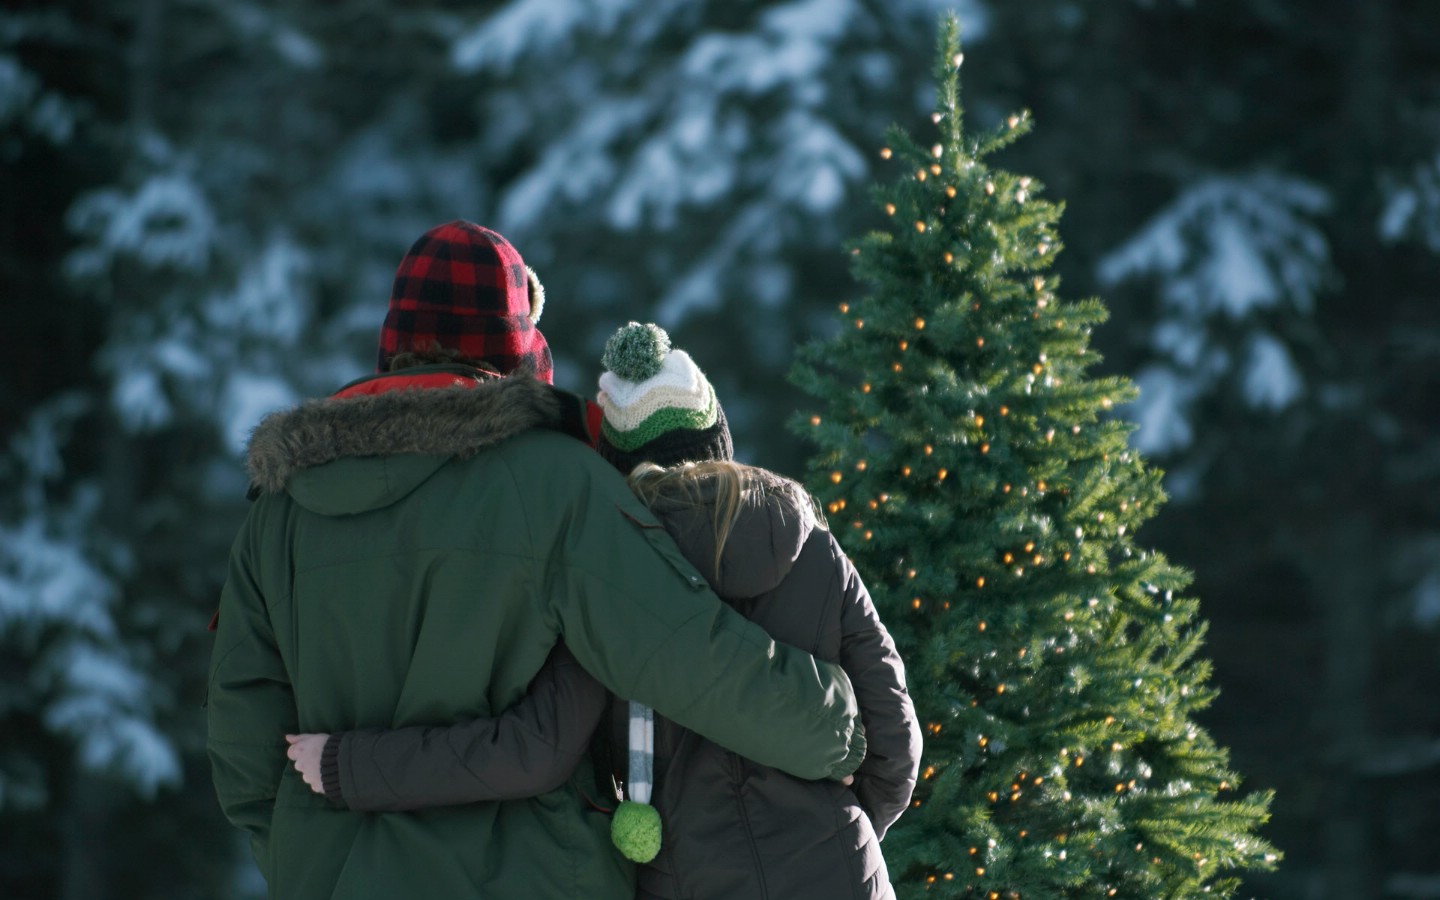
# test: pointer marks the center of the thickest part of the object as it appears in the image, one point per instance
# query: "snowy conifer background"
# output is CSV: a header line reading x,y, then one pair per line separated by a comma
x,y
203,202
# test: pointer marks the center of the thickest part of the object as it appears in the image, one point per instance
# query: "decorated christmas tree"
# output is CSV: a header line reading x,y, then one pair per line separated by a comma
x,y
984,487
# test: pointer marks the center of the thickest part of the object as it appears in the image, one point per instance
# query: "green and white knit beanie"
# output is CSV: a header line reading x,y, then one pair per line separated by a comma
x,y
658,405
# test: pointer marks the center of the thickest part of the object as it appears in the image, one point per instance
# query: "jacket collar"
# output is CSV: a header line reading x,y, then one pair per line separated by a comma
x,y
402,413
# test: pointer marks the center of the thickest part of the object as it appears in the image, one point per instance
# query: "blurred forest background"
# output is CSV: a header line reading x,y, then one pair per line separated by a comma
x,y
203,202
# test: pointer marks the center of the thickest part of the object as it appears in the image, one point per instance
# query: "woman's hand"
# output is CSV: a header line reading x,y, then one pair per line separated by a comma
x,y
305,750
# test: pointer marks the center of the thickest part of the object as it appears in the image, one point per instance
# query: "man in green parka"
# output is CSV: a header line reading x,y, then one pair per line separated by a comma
x,y
418,544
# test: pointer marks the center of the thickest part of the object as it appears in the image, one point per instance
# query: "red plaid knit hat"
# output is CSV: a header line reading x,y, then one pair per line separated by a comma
x,y
465,288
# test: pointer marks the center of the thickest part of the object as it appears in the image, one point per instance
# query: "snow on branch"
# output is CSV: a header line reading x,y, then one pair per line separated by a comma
x,y
59,589
1231,244
165,222
24,101
532,29
1412,207
1231,258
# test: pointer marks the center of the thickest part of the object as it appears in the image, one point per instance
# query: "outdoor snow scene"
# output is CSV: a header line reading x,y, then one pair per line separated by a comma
x,y
1104,333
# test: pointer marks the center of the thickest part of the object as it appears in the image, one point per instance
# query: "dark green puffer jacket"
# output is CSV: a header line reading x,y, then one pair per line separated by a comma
x,y
412,559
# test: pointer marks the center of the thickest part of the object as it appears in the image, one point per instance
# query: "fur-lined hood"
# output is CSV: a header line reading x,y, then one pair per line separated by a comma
x,y
426,422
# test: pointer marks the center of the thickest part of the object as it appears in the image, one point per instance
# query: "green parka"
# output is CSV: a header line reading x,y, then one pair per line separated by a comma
x,y
412,558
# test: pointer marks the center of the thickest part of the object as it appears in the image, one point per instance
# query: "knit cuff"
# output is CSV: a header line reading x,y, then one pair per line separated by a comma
x,y
330,769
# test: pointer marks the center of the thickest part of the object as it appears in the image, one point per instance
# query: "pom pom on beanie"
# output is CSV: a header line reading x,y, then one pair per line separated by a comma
x,y
636,352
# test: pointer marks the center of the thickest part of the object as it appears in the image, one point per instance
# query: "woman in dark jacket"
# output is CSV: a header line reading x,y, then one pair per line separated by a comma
x,y
731,828
734,828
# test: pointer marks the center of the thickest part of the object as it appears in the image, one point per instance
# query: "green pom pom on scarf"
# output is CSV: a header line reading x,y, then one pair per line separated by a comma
x,y
636,831
635,828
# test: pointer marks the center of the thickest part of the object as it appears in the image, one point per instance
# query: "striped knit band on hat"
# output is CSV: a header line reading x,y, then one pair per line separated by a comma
x,y
658,405
465,288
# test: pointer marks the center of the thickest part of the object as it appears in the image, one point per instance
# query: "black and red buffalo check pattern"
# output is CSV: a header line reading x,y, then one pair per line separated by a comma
x,y
463,287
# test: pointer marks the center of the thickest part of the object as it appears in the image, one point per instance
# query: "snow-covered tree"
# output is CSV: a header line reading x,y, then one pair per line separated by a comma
x,y
1237,264
694,164
1280,310
83,698
82,706
202,205
229,253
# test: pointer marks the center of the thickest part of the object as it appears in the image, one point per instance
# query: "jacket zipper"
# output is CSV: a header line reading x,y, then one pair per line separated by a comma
x,y
736,773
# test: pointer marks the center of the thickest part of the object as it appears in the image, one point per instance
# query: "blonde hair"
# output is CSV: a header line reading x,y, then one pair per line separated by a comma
x,y
732,483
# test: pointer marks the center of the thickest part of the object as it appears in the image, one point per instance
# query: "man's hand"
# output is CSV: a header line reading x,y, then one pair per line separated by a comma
x,y
305,750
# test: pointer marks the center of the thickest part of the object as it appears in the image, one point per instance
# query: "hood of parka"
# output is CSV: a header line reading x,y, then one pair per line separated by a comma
x,y
773,523
352,454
